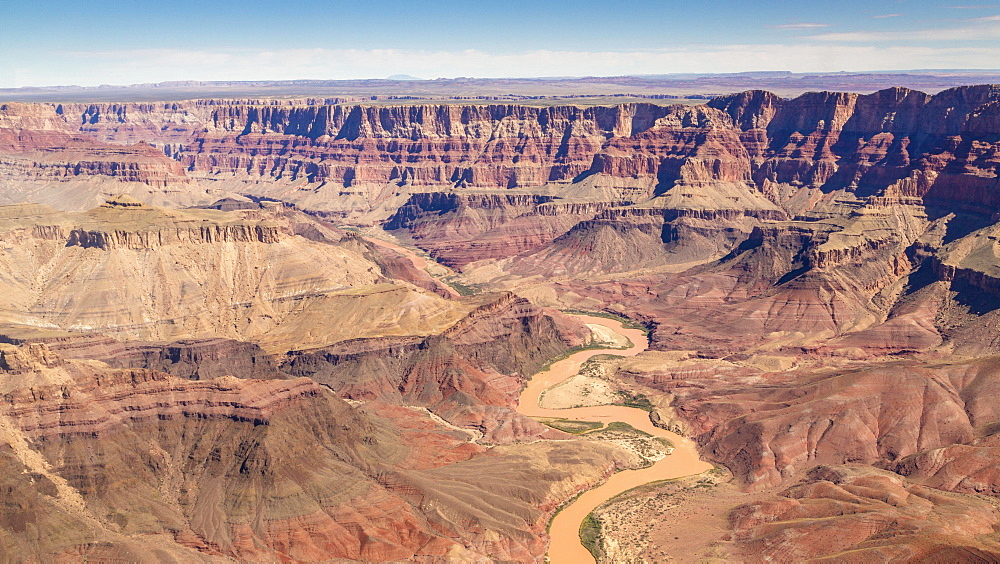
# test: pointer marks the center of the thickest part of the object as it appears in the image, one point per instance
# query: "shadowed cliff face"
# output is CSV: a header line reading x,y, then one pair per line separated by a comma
x,y
142,272
44,158
751,152
818,140
850,237
701,180
272,465
358,144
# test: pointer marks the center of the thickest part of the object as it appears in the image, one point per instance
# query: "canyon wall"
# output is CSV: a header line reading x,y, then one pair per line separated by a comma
x,y
232,442
828,140
744,153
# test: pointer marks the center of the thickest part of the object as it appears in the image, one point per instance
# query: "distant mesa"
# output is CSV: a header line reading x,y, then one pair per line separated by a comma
x,y
402,77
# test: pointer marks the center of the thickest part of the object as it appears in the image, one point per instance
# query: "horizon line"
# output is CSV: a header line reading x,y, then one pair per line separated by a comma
x,y
392,79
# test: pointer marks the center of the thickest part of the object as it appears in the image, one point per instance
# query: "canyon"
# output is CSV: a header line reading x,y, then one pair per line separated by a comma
x,y
301,328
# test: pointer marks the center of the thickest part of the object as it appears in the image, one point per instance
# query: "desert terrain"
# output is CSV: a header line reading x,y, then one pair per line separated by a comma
x,y
756,326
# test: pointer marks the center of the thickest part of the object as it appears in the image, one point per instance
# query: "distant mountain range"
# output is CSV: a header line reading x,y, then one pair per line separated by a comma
x,y
784,83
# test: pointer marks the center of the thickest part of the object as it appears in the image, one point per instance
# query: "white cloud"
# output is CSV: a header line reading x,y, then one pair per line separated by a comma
x,y
141,66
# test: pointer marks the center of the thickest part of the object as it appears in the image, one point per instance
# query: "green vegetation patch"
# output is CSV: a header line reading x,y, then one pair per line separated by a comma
x,y
565,504
594,366
590,536
707,479
626,322
571,426
599,357
621,427
463,289
648,447
665,443
632,399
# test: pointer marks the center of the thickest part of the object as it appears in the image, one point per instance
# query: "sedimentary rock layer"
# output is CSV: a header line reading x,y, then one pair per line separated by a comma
x,y
142,272
138,464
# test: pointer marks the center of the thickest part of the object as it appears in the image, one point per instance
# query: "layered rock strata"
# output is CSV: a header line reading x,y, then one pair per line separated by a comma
x,y
471,374
860,514
137,464
140,272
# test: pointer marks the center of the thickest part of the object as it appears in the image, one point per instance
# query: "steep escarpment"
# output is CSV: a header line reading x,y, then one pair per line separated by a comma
x,y
837,141
362,161
228,293
895,141
470,374
150,239
708,176
459,228
404,143
44,158
819,276
193,359
816,222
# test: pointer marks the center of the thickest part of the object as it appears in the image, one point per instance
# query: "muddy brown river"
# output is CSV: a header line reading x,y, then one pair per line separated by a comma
x,y
565,547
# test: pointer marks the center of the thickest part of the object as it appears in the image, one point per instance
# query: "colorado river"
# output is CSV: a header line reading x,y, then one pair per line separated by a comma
x,y
565,547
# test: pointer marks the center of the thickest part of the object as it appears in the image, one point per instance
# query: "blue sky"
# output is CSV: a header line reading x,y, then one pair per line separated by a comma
x,y
51,42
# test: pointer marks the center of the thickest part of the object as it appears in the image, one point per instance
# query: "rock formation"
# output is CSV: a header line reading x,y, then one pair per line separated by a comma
x,y
471,375
143,272
44,158
819,276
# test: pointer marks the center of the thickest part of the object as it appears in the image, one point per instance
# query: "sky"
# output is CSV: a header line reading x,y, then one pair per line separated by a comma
x,y
88,43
